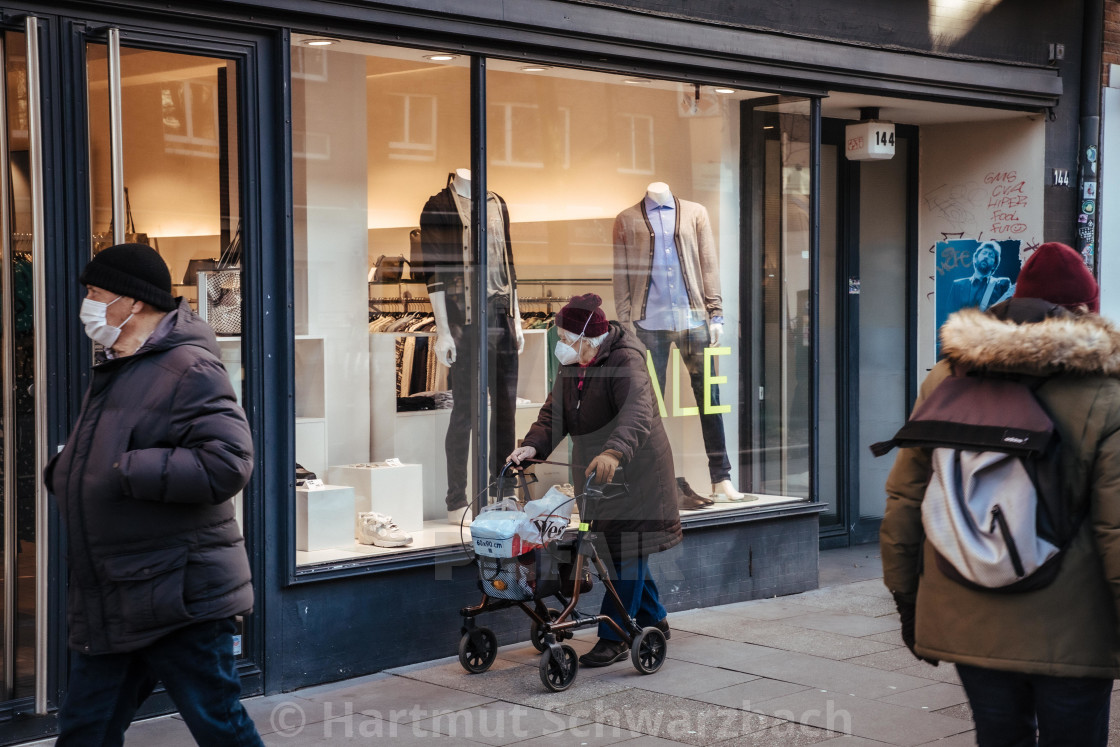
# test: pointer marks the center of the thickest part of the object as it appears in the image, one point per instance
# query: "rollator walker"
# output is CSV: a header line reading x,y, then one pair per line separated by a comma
x,y
560,569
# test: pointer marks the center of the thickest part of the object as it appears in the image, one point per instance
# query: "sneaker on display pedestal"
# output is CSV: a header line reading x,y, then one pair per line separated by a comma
x,y
380,530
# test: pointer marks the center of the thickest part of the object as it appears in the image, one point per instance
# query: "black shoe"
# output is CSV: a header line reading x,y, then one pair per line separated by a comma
x,y
686,490
605,653
663,626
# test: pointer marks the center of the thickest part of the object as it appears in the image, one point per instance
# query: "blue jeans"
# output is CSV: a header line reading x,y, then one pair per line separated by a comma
x,y
691,343
638,593
1008,707
195,664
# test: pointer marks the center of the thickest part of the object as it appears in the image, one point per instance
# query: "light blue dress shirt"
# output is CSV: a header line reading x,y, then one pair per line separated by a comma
x,y
667,306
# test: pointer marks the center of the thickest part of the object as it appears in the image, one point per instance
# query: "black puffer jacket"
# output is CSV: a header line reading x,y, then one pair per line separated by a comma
x,y
143,486
616,410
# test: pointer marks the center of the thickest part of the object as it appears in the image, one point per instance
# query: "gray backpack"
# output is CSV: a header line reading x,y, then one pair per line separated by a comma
x,y
994,510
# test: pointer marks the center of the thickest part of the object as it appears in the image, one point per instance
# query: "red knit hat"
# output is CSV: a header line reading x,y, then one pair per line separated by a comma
x,y
1057,273
583,310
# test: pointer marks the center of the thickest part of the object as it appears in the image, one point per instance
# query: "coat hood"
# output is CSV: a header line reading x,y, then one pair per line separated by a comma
x,y
187,328
617,339
1032,336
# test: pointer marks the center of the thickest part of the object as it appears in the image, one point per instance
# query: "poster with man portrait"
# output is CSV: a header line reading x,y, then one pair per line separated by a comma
x,y
974,274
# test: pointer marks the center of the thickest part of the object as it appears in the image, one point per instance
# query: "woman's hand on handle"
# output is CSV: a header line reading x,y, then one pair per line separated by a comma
x,y
520,453
603,466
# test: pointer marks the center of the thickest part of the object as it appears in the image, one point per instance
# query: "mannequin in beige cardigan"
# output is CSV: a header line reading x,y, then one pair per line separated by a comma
x,y
672,297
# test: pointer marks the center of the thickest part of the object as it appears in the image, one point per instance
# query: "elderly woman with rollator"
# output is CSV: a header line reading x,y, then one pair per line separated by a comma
x,y
604,400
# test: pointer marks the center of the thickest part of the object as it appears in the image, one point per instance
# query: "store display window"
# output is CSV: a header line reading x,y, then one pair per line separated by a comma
x,y
175,155
625,187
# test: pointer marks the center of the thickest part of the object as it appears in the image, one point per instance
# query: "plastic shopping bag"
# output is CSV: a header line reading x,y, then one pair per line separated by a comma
x,y
546,518
494,531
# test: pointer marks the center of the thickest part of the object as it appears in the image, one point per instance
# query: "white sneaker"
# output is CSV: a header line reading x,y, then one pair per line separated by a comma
x,y
459,516
380,530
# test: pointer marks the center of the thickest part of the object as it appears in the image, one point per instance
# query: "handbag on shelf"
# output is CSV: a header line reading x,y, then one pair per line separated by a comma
x,y
131,236
223,290
389,269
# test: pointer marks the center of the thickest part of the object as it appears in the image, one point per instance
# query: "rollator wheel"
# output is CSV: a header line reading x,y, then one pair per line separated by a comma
x,y
559,675
649,650
477,654
536,637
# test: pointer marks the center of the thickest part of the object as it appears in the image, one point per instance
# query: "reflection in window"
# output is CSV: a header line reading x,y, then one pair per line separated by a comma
x,y
516,135
416,128
636,144
190,118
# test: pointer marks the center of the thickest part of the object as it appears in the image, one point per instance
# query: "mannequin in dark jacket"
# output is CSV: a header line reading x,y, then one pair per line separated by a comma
x,y
448,262
157,564
1042,661
604,400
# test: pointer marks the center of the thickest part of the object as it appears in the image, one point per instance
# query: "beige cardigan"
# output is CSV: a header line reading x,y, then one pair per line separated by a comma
x,y
633,259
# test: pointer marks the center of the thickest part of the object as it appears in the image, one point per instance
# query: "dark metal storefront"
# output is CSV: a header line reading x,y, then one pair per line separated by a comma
x,y
318,622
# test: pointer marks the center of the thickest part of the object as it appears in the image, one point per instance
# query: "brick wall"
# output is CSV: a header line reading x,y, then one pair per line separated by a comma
x,y
1111,45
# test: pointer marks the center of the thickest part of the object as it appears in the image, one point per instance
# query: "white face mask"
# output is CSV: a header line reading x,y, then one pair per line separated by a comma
x,y
98,329
567,354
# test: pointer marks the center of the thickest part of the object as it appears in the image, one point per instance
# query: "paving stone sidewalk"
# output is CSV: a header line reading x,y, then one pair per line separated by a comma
x,y
824,667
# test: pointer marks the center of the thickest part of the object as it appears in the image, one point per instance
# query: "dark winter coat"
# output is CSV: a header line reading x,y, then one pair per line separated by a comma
x,y
1070,627
443,263
144,486
616,410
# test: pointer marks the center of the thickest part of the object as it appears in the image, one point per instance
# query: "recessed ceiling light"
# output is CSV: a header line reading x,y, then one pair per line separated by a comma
x,y
441,57
636,81
534,69
724,90
319,42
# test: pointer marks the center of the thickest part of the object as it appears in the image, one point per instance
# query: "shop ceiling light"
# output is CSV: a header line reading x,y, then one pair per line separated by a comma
x,y
440,57
724,90
534,69
636,81
319,42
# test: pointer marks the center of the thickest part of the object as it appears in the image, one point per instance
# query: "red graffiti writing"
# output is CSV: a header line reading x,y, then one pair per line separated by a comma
x,y
999,176
1007,195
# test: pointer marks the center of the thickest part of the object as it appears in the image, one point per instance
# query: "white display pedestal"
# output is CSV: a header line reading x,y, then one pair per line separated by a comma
x,y
324,517
395,491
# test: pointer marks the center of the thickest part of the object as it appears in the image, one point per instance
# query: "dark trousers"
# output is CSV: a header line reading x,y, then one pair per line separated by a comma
x,y
1008,707
691,343
195,664
501,351
638,592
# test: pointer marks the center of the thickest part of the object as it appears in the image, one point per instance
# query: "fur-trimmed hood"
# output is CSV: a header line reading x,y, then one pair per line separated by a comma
x,y
1032,336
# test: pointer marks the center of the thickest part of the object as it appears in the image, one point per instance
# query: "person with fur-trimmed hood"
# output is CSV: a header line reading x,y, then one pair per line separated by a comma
x,y
1041,660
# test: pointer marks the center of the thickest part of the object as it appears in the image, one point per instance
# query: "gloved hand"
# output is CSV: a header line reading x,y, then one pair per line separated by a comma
x,y
603,466
445,349
521,452
907,611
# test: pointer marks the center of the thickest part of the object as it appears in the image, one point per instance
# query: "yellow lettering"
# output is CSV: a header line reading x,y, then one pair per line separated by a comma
x,y
710,380
675,367
656,384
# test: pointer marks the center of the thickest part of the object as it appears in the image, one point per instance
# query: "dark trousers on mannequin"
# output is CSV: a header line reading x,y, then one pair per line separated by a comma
x,y
195,664
691,343
501,351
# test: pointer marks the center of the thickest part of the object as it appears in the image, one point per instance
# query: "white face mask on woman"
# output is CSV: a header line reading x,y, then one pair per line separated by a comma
x,y
566,353
93,316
